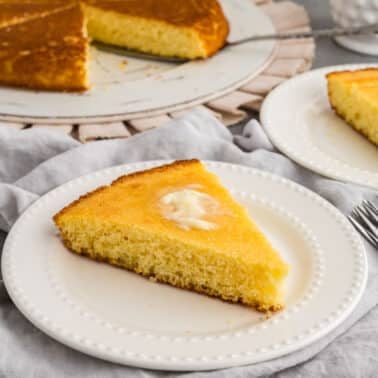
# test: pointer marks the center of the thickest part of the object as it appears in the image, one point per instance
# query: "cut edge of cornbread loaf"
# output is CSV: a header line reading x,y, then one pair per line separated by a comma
x,y
122,224
353,96
190,30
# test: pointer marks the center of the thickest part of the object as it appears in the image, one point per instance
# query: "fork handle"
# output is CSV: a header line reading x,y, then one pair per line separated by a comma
x,y
331,32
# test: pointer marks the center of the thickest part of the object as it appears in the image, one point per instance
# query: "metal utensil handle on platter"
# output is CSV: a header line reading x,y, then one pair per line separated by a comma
x,y
332,32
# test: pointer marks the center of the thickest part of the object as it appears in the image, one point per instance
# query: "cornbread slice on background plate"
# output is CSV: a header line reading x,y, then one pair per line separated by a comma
x,y
353,95
48,52
177,224
188,29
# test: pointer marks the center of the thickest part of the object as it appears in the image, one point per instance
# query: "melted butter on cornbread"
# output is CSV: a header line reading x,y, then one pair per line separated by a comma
x,y
123,225
188,208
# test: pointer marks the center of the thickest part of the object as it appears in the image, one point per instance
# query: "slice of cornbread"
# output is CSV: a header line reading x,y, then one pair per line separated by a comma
x,y
48,52
184,28
178,225
354,97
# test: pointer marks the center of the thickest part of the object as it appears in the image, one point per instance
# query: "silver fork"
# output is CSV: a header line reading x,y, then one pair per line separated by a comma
x,y
364,218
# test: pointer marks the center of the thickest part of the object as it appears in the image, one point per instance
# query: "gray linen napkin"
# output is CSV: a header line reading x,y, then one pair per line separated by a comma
x,y
33,162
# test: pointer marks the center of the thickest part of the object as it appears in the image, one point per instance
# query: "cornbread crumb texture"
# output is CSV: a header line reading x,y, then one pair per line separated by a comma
x,y
354,97
189,29
123,225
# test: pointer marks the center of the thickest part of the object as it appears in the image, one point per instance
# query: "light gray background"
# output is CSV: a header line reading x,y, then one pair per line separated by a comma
x,y
329,53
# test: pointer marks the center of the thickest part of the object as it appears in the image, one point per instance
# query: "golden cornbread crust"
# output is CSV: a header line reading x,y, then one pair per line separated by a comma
x,y
48,52
354,77
201,24
160,169
338,73
146,173
15,12
150,243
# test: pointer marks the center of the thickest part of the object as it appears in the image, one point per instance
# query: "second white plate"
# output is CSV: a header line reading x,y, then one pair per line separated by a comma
x,y
300,122
119,316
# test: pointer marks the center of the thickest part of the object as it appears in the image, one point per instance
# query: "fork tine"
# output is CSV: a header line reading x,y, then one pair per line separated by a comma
x,y
367,222
369,213
363,232
355,212
370,205
375,243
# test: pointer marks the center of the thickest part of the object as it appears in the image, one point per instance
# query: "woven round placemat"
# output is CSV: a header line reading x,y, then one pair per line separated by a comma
x,y
291,57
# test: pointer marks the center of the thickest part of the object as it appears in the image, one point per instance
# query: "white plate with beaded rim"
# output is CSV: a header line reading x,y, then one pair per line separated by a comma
x,y
119,316
300,122
128,88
